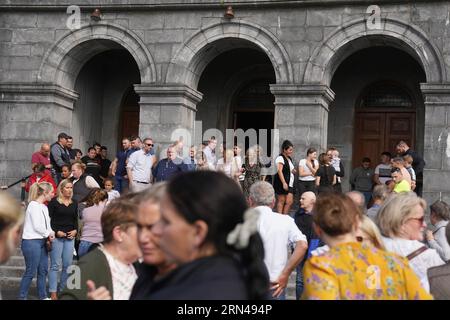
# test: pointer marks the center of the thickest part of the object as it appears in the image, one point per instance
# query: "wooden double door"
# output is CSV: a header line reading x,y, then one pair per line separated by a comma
x,y
379,131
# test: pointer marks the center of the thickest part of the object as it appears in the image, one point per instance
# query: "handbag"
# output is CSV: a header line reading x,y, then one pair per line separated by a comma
x,y
48,244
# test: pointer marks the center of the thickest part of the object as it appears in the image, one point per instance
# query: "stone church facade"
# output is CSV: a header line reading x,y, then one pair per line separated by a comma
x,y
321,72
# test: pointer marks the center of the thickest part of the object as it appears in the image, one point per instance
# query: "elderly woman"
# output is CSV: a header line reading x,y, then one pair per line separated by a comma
x,y
351,269
439,216
216,247
11,220
111,264
252,168
402,223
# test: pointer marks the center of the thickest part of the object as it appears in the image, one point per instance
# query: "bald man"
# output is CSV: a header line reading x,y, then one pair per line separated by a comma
x,y
42,156
304,220
358,198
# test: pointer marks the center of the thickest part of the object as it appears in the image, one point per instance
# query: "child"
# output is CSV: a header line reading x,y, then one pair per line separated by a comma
x,y
109,187
408,165
336,163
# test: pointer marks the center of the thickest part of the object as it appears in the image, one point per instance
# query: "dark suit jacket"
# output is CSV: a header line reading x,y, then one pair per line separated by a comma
x,y
439,278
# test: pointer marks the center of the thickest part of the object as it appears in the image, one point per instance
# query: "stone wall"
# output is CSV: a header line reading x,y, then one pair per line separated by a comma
x,y
303,43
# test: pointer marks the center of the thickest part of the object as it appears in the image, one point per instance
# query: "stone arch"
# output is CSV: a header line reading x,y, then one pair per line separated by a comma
x,y
64,60
355,35
195,54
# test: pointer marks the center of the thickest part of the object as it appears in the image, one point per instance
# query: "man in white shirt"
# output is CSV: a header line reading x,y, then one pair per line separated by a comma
x,y
278,232
139,167
210,154
383,170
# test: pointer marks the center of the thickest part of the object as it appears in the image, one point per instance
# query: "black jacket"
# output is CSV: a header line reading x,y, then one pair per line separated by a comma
x,y
208,278
418,162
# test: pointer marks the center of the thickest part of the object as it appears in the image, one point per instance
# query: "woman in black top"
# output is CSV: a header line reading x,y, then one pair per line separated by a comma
x,y
63,213
326,175
217,248
284,178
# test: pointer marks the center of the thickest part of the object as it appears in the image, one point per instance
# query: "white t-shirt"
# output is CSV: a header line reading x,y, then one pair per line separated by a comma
x,y
384,172
278,232
302,164
280,159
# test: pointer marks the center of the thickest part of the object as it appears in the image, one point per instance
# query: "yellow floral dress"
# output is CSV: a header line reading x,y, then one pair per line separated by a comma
x,y
352,271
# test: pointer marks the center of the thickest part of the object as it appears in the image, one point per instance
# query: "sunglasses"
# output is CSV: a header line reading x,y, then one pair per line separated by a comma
x,y
359,239
149,144
421,219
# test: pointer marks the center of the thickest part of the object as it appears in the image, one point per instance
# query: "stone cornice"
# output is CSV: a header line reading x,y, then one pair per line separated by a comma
x,y
126,5
302,94
39,93
168,95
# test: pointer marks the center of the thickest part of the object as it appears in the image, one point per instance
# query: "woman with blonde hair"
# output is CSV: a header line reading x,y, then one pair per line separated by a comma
x,y
63,213
369,233
401,220
351,270
252,168
228,165
36,230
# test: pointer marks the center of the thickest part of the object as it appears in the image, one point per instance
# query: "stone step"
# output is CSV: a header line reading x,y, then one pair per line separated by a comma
x,y
15,261
12,271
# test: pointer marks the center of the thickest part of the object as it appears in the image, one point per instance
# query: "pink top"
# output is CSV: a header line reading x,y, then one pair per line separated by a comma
x,y
92,227
37,157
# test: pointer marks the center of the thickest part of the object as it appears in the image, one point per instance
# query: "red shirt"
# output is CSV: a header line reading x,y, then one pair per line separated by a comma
x,y
37,157
45,178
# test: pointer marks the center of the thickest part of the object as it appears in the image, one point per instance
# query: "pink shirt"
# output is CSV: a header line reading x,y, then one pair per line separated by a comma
x,y
37,157
92,227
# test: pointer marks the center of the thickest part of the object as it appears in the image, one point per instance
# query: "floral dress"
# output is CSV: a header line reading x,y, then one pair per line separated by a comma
x,y
352,271
252,175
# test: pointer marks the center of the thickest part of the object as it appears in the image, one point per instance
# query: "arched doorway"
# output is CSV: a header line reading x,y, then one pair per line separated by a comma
x,y
105,88
235,87
378,102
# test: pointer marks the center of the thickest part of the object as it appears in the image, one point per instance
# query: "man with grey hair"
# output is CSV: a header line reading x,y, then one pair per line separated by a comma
x,y
358,198
278,232
379,195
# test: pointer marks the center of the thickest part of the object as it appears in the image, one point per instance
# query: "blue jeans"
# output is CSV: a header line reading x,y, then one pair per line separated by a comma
x,y
367,196
299,281
120,184
36,260
62,251
83,248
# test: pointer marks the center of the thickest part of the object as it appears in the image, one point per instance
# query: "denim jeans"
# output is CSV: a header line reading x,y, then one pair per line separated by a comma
x,y
120,184
36,261
367,196
83,248
62,251
299,281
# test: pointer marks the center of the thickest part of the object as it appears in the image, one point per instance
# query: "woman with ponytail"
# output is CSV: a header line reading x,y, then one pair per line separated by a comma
x,y
36,230
215,245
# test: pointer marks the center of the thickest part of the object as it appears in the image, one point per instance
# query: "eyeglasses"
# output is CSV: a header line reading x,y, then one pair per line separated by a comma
x,y
421,219
149,144
359,239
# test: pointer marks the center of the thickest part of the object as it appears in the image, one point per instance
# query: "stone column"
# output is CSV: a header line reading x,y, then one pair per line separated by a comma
x,y
164,109
30,114
436,184
301,115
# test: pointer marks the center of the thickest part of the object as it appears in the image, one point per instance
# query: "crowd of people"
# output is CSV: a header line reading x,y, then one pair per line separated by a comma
x,y
213,225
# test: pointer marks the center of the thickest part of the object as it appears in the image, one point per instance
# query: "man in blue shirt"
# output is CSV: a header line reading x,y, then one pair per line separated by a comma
x,y
166,168
118,167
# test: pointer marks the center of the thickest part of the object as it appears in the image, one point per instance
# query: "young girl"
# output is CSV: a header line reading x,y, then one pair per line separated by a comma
x,y
109,187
